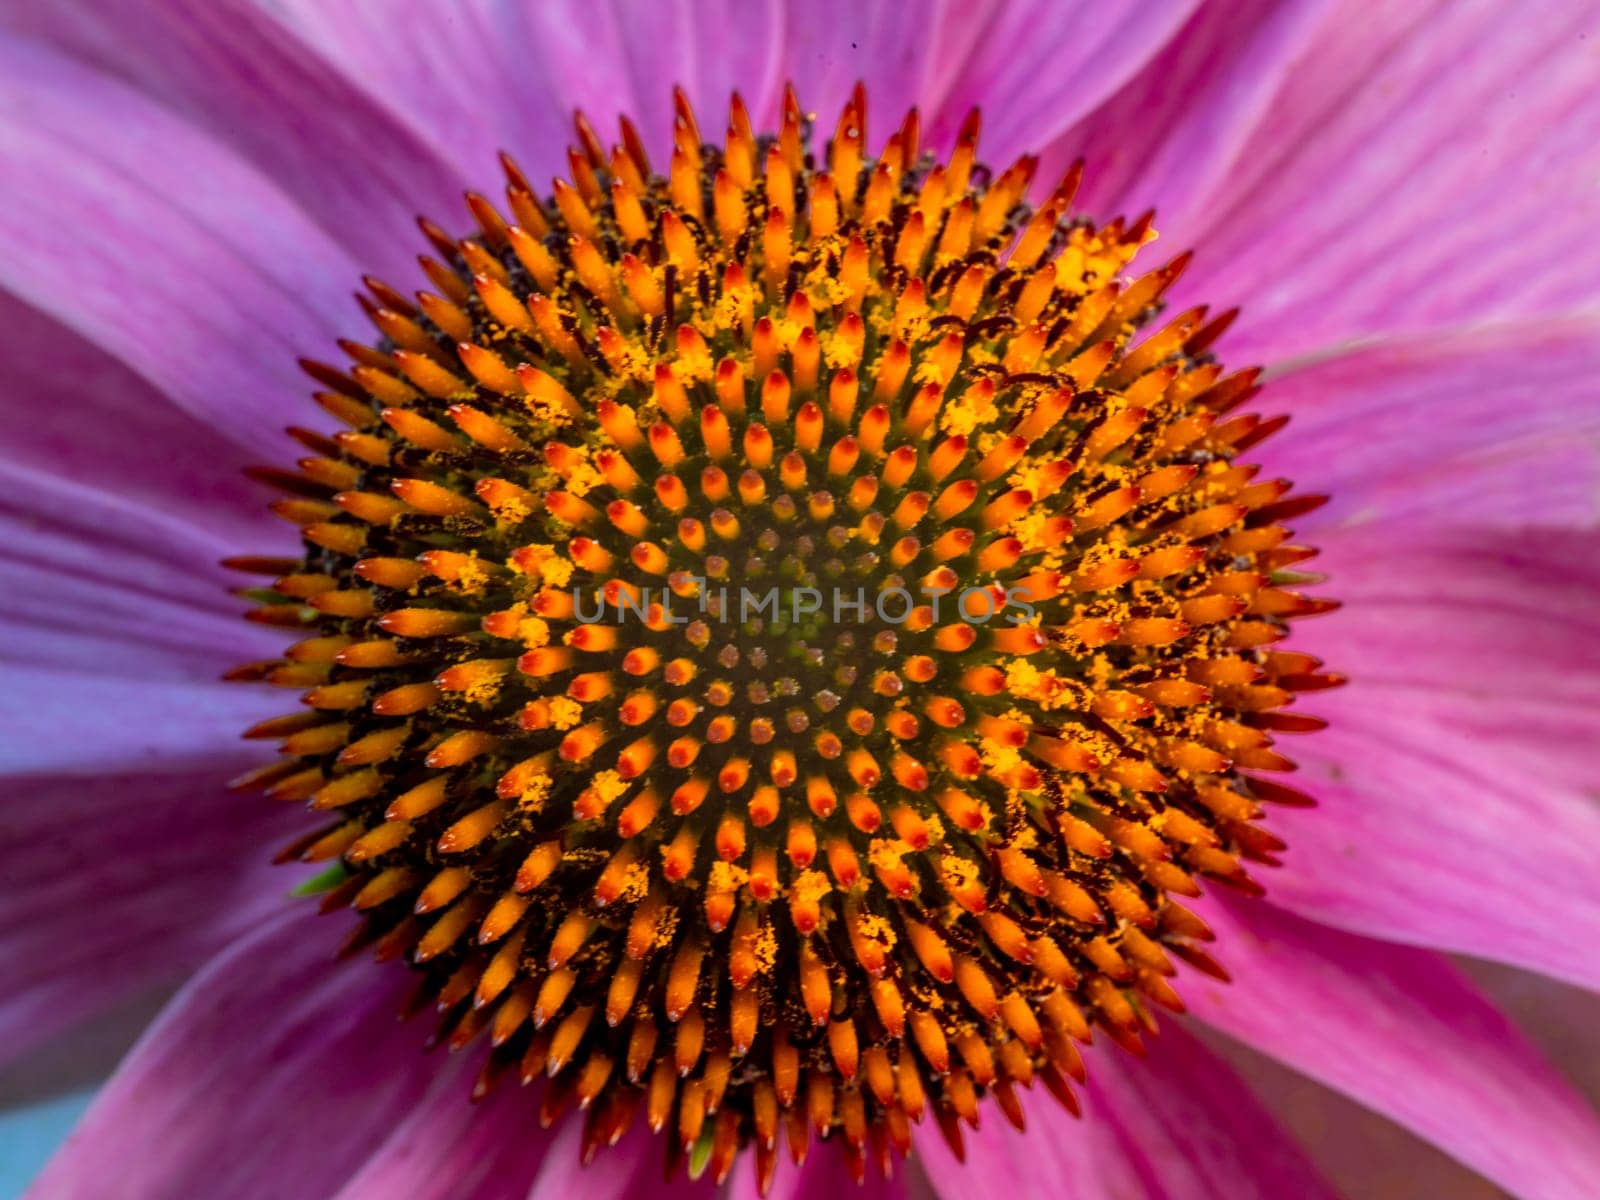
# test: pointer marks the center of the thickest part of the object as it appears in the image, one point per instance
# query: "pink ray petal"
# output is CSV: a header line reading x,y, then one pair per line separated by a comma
x,y
448,1148
101,586
82,724
1493,427
823,1176
709,49
120,882
209,293
1036,67
1178,1124
274,1073
130,862
1401,1031
74,411
1375,196
1166,137
1458,774
476,78
234,70
630,1170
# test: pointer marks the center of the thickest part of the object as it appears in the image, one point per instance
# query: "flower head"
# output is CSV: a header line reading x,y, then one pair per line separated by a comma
x,y
951,658
830,716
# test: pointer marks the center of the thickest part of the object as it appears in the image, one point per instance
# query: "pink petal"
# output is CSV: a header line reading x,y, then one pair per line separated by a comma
x,y
274,1073
102,586
1495,427
1457,779
710,49
447,1148
1360,1152
823,1176
481,78
829,46
1402,1032
1177,1124
83,724
1376,195
128,863
475,78
120,882
207,292
233,70
1035,67
630,1170
478,78
1167,136
74,411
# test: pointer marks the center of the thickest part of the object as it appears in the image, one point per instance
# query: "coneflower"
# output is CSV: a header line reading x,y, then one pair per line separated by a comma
x,y
803,867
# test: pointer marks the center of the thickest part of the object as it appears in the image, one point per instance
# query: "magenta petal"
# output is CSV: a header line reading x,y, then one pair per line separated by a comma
x,y
710,49
1458,776
1178,1124
274,1073
448,1148
1402,1032
115,506
80,724
1037,66
207,292
234,70
120,882
479,78
1033,66
1166,138
107,588
630,1170
823,1176
829,46
74,411
127,863
1378,194
1493,427
476,78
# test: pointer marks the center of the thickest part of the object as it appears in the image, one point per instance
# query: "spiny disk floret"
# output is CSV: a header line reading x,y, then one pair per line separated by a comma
x,y
832,869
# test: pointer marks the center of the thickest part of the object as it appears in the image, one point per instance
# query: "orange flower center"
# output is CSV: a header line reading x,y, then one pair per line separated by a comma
x,y
778,637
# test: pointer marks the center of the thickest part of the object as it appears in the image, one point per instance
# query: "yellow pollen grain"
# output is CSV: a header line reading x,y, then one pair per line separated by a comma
x,y
609,784
787,331
667,929
836,350
484,691
565,712
583,478
811,885
635,884
828,292
887,852
766,950
957,871
999,759
1029,528
511,511
694,366
534,795
533,632
876,929
726,877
